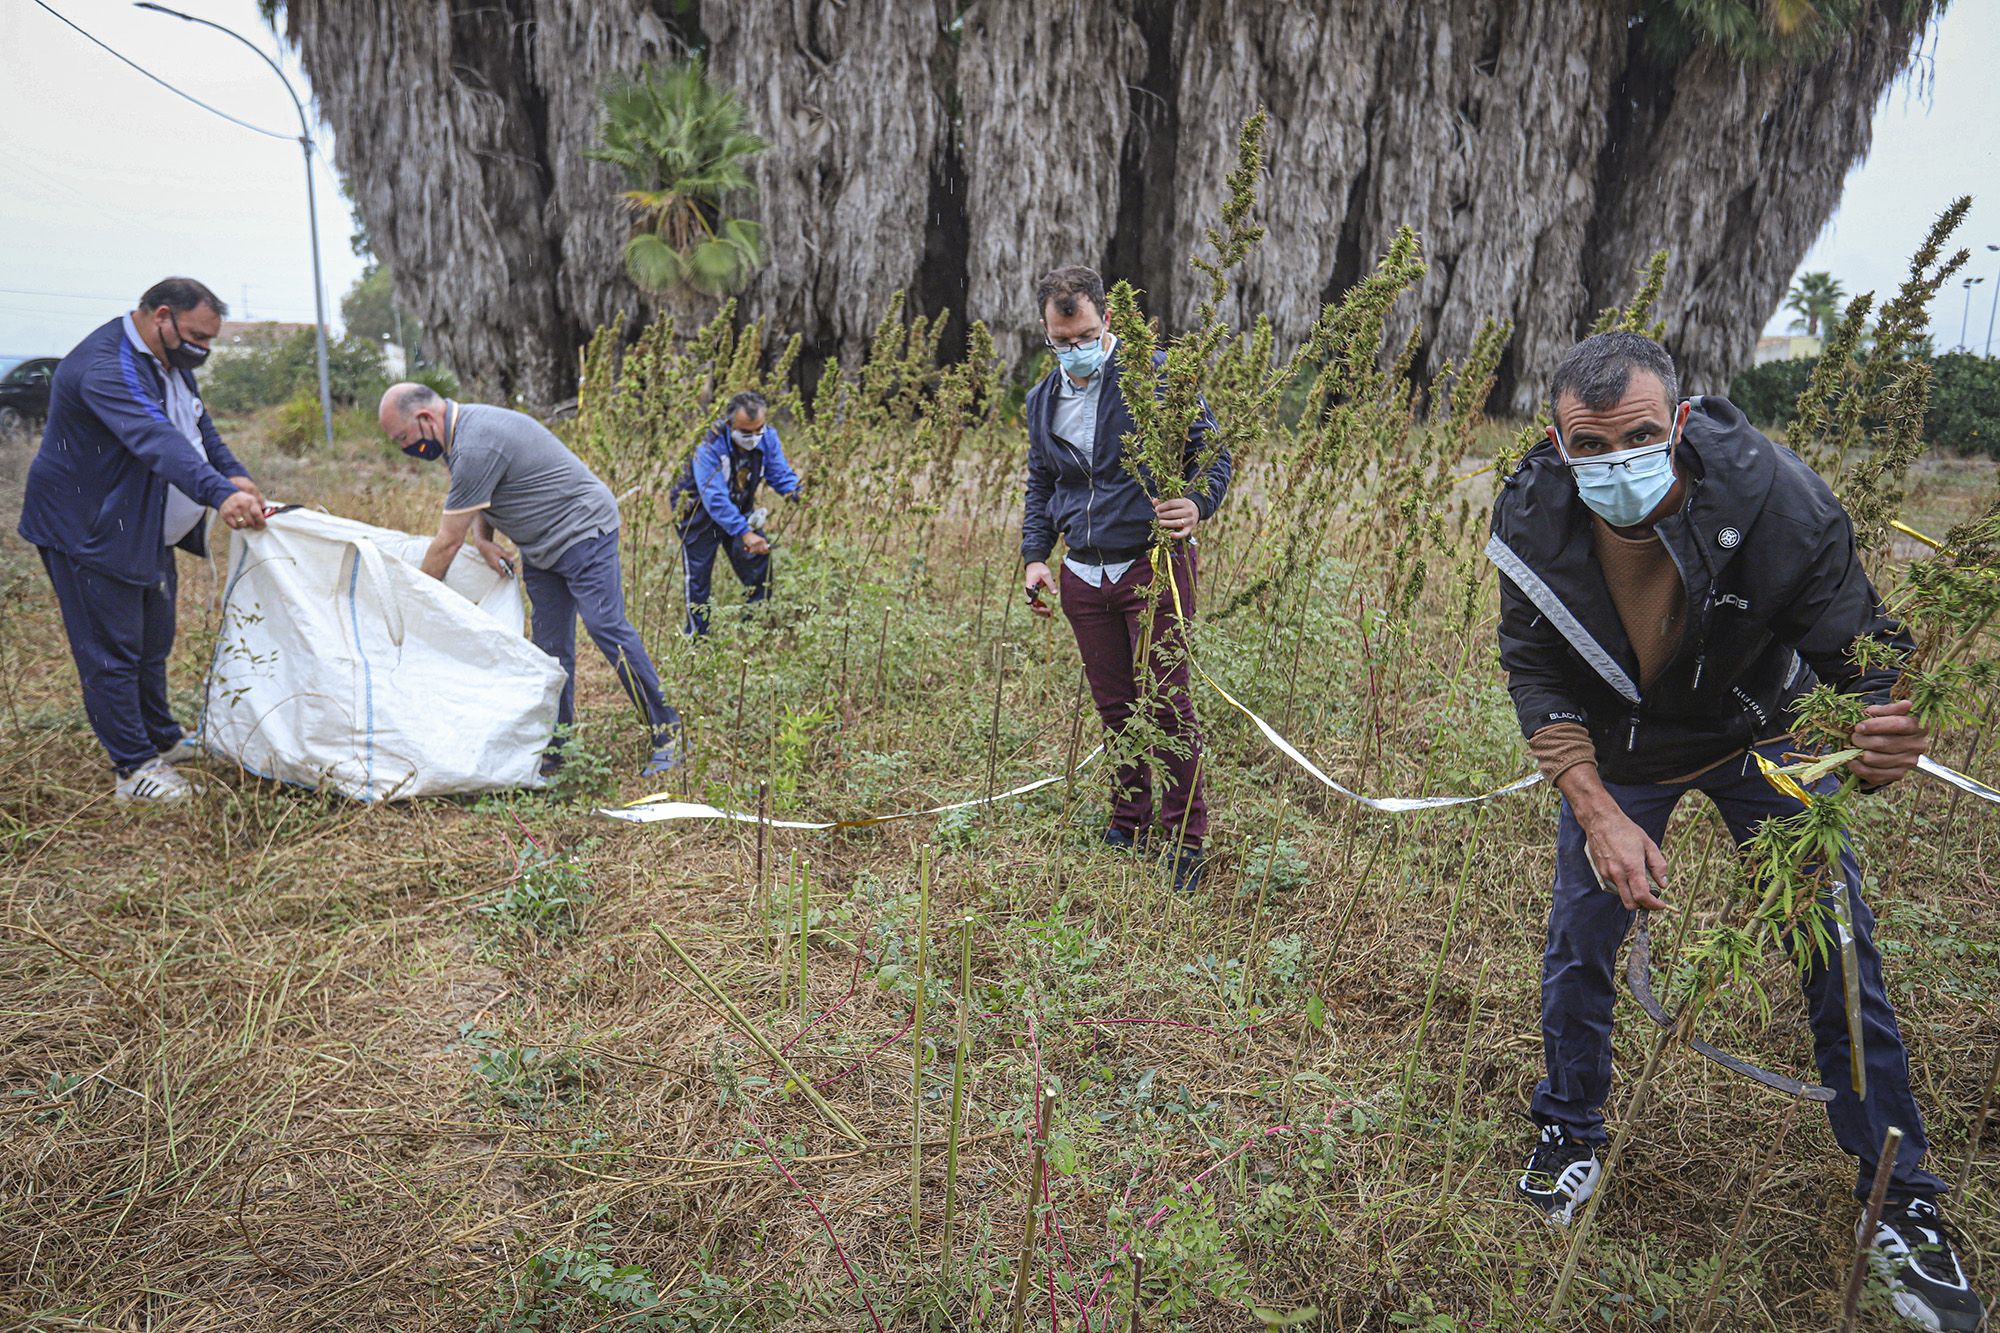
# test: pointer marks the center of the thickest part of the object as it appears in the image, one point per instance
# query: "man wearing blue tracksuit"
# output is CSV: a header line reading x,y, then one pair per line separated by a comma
x,y
716,496
130,464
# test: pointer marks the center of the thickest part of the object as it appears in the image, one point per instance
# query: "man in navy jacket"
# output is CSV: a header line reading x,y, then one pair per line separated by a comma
x,y
130,464
1079,488
718,490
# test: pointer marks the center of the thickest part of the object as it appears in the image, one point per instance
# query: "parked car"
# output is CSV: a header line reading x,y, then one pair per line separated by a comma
x,y
24,390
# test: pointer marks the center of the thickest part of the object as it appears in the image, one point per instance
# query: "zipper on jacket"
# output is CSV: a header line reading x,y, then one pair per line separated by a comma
x,y
1700,662
1090,496
1632,736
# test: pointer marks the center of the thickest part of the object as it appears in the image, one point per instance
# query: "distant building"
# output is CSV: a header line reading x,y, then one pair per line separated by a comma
x,y
1789,347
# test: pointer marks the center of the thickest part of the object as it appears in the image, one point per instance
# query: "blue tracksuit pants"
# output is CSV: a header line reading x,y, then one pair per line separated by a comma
x,y
701,539
585,582
1587,924
120,635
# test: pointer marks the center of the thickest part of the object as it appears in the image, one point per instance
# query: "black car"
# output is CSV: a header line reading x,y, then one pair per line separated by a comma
x,y
24,390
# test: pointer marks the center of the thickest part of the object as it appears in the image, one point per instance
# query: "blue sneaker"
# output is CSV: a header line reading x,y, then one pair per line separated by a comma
x,y
669,753
1128,840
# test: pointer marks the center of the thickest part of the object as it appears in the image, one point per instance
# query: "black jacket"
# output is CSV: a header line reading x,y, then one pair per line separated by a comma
x,y
1775,594
1093,502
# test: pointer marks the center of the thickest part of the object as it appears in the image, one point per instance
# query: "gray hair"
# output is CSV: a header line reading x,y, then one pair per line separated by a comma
x,y
1598,369
748,401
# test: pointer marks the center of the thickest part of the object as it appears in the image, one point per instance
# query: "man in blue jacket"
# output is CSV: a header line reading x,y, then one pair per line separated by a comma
x,y
130,464
1079,488
718,491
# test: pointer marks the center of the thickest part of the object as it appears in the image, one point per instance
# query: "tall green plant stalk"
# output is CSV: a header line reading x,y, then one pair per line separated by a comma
x,y
917,1045
1044,1107
805,939
957,1093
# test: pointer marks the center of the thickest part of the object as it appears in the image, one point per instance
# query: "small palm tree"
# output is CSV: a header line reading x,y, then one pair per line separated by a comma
x,y
1816,299
683,146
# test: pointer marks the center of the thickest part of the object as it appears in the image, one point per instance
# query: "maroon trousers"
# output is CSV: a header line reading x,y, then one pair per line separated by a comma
x,y
1109,623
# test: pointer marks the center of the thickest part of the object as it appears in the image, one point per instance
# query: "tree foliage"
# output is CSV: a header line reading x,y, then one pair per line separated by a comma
x,y
1815,298
684,145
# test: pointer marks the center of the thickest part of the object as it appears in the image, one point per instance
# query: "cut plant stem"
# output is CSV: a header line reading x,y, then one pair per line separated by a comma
x,y
1611,1160
1044,1109
805,935
957,1093
757,1039
917,1046
1979,1125
1750,1196
1885,1166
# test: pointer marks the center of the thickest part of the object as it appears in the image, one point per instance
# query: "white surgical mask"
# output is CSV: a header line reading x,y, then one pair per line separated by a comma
x,y
746,439
1623,488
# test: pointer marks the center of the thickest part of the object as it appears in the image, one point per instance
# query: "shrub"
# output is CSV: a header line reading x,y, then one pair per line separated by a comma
x,y
298,423
1767,393
247,378
1965,404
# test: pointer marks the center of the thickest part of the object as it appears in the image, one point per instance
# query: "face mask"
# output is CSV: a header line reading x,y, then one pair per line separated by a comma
x,y
1080,363
184,355
1624,488
746,439
423,447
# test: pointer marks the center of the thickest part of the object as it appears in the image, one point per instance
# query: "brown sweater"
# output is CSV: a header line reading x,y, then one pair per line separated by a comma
x,y
1646,590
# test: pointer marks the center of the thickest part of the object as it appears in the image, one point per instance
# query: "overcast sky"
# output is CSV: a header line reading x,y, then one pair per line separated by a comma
x,y
112,182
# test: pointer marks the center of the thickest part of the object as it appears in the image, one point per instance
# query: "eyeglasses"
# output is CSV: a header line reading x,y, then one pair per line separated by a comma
x,y
1073,344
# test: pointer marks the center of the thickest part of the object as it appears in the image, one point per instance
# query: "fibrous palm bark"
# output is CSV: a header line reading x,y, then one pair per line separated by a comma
x,y
1540,147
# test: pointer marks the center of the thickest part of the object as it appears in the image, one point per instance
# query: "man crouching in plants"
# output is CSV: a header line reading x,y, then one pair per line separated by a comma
x,y
1080,489
1671,582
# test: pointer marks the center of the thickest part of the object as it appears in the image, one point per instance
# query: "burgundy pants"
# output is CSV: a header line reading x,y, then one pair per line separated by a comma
x,y
1108,623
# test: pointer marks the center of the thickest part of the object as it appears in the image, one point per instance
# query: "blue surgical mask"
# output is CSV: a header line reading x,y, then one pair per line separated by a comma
x,y
1623,488
1080,363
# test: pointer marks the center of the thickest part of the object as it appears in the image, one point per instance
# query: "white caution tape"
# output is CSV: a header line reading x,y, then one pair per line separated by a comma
x,y
658,809
1393,805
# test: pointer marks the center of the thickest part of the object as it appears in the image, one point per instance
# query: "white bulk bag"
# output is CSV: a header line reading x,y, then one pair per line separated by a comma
x,y
341,664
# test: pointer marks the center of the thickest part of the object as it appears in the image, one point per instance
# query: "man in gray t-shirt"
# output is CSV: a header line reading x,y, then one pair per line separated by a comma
x,y
511,477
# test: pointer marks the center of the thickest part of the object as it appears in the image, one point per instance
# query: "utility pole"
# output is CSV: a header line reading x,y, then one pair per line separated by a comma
x,y
312,205
1968,284
1992,310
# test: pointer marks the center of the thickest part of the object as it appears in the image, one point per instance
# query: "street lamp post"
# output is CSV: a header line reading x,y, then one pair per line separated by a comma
x,y
1992,310
312,205
1965,318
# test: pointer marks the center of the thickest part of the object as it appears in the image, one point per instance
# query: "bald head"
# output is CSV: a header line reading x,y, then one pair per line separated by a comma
x,y
411,413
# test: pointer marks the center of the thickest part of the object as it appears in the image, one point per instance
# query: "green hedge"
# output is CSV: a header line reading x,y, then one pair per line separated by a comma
x,y
1964,413
244,379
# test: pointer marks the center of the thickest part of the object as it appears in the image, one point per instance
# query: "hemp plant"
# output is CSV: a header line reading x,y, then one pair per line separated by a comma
x,y
1873,398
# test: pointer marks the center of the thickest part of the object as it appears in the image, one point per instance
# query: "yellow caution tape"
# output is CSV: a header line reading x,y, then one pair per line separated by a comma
x,y
1909,531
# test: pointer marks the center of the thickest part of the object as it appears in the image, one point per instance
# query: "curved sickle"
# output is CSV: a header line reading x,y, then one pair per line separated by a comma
x,y
1639,976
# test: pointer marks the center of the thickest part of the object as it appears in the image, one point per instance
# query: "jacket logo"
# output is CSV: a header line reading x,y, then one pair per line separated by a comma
x,y
1729,539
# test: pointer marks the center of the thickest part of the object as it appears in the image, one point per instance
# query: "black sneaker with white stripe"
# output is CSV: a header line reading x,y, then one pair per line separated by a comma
x,y
1912,1252
1562,1174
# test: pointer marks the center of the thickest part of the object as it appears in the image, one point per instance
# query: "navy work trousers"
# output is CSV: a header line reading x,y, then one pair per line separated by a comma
x,y
585,581
120,635
1587,924
701,539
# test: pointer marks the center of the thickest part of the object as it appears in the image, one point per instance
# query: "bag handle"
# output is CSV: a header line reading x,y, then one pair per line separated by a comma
x,y
368,558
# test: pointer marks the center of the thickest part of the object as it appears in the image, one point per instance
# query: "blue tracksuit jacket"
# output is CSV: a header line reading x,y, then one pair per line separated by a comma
x,y
726,478
97,490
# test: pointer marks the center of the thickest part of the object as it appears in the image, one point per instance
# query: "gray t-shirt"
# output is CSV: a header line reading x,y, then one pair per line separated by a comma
x,y
530,485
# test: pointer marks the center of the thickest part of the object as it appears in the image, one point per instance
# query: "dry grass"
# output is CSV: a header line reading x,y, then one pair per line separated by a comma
x,y
240,1041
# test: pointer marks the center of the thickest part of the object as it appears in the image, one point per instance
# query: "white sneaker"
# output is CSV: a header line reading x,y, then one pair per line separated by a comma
x,y
182,751
154,782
